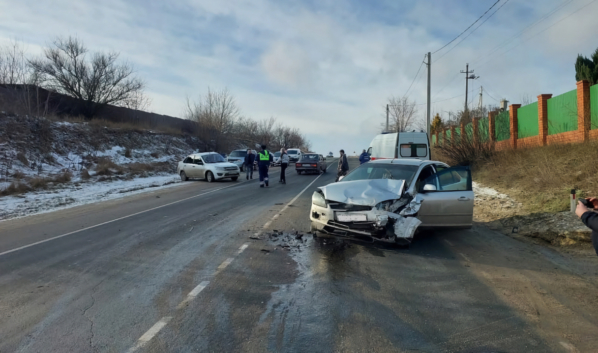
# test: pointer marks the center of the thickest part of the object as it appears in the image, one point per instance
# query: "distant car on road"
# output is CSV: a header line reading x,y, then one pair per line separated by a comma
x,y
388,199
294,154
330,154
210,166
237,157
310,163
276,159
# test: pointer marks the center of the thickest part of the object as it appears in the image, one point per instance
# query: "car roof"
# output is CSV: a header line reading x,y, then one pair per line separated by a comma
x,y
405,161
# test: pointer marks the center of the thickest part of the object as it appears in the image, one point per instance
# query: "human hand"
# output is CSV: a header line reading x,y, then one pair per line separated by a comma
x,y
581,209
593,201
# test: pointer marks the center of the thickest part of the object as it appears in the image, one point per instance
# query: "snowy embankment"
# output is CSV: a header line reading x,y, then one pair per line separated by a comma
x,y
46,165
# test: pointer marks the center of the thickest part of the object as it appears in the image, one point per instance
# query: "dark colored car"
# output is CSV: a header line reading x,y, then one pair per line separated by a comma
x,y
311,163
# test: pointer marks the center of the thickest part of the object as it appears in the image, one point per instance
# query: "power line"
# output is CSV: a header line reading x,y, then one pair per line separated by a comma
x,y
461,95
476,21
542,31
445,86
470,33
418,70
518,34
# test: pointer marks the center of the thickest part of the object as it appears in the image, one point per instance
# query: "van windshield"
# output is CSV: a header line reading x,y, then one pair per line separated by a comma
x,y
292,152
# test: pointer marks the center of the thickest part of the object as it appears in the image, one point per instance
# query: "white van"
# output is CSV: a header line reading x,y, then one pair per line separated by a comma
x,y
400,145
294,154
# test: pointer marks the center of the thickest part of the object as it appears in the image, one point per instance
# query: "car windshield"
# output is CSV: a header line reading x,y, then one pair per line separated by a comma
x,y
213,158
382,171
291,152
277,154
309,157
238,154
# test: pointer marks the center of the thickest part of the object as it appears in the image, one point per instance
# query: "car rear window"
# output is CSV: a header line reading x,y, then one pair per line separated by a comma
x,y
382,171
238,154
414,150
310,157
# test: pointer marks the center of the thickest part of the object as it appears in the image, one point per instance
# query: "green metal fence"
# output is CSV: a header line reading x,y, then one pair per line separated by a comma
x,y
562,113
448,135
527,121
483,130
594,106
469,130
502,128
434,139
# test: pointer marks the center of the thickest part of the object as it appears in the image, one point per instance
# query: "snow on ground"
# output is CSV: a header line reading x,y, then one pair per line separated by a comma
x,y
483,191
81,194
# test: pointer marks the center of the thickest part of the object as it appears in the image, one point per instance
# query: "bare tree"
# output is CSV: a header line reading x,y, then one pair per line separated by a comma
x,y
97,81
13,65
402,113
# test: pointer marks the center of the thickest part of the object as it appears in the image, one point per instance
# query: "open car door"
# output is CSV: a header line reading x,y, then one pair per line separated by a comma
x,y
448,199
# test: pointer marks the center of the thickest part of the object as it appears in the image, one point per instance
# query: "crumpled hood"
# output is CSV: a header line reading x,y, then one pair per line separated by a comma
x,y
364,192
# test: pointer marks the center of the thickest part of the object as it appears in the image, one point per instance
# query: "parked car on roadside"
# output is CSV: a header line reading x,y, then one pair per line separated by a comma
x,y
294,154
387,200
237,157
276,159
210,166
310,163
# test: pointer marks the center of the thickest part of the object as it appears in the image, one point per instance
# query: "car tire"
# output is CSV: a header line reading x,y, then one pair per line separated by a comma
x,y
209,177
234,178
184,176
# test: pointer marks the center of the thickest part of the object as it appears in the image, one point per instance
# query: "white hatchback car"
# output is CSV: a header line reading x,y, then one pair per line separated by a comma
x,y
210,166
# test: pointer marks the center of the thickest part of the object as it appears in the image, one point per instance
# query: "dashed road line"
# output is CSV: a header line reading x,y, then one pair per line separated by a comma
x,y
147,336
465,257
448,242
143,340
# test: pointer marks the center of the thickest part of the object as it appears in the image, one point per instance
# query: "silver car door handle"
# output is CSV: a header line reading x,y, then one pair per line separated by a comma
x,y
463,198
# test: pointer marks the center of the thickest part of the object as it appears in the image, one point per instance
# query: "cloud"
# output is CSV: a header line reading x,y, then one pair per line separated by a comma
x,y
325,66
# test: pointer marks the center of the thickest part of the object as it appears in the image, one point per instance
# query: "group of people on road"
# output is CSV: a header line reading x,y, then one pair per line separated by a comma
x,y
264,159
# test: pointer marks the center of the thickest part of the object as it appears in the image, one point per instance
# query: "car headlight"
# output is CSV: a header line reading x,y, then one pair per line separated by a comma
x,y
318,199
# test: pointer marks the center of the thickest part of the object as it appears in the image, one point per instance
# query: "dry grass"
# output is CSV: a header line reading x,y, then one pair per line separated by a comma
x,y
39,183
18,175
128,152
107,167
15,188
85,174
542,177
63,177
23,159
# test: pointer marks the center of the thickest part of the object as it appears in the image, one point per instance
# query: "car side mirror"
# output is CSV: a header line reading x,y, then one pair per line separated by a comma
x,y
430,187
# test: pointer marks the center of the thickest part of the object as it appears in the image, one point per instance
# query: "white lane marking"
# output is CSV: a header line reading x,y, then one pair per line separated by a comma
x,y
465,257
448,242
224,264
267,224
568,346
143,340
242,248
198,289
112,221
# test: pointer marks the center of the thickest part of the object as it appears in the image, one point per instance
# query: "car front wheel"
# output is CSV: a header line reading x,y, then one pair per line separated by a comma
x,y
209,177
184,176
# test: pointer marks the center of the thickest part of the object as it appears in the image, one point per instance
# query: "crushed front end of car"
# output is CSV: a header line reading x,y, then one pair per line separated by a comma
x,y
367,210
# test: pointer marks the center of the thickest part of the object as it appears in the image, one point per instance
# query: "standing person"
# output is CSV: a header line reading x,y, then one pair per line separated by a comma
x,y
364,157
590,218
343,165
284,163
263,162
249,161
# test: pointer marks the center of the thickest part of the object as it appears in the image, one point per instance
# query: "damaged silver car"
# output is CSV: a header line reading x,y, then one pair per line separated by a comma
x,y
388,200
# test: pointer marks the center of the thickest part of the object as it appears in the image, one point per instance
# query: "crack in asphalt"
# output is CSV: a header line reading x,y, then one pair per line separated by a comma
x,y
93,302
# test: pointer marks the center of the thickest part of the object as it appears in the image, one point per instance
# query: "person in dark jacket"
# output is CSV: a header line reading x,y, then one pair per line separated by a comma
x,y
343,165
284,163
264,158
364,157
590,218
249,161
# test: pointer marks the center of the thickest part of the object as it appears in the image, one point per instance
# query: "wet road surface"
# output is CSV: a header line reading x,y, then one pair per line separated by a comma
x,y
181,273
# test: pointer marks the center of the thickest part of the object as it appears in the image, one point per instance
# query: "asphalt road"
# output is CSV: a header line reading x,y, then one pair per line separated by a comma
x,y
176,271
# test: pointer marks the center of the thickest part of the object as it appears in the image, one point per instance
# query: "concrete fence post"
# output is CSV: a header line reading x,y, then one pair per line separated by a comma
x,y
513,122
543,117
475,124
583,110
453,137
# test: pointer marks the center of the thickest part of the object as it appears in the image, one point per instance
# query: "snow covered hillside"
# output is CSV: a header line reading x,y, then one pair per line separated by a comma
x,y
46,164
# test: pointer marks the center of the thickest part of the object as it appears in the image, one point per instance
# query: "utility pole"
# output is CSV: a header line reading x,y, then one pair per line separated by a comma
x,y
467,78
386,118
429,98
480,102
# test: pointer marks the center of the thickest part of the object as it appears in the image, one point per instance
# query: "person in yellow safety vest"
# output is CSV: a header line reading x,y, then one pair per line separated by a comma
x,y
263,162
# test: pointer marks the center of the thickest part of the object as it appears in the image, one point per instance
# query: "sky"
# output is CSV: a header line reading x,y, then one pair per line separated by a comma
x,y
326,67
